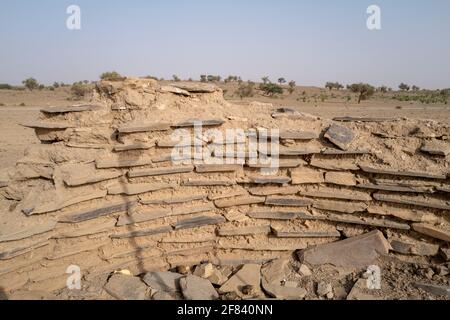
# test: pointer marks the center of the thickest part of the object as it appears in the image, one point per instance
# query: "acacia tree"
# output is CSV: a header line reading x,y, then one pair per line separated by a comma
x,y
30,84
403,87
111,76
364,90
281,80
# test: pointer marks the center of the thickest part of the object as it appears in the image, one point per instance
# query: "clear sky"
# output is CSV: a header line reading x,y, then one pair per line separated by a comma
x,y
310,42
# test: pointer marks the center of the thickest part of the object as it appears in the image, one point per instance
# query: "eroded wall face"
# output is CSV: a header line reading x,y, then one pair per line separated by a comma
x,y
151,177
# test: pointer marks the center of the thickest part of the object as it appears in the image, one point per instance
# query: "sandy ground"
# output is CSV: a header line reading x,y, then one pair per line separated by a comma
x,y
21,106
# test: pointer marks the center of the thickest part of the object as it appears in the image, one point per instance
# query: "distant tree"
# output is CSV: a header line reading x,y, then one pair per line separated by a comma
x,y
41,87
151,78
55,85
31,84
403,87
5,86
281,80
190,80
415,88
271,89
175,78
203,78
111,76
265,79
245,90
334,85
364,90
292,86
382,89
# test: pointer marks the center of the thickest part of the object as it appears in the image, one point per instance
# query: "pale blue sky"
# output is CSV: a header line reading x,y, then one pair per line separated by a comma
x,y
308,41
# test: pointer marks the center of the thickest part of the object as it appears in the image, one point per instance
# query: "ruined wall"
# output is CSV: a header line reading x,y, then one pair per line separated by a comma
x,y
103,193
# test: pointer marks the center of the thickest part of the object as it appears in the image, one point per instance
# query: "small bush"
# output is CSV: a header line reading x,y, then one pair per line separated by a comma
x,y
22,104
31,84
334,85
403,87
245,90
176,78
79,90
292,86
111,76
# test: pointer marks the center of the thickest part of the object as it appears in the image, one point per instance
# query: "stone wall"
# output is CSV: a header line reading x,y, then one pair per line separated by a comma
x,y
102,192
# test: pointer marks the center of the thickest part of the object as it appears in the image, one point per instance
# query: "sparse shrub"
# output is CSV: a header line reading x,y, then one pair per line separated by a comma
x,y
79,90
382,89
41,87
323,97
281,80
22,104
292,86
403,87
212,78
415,88
175,78
5,86
271,89
203,78
55,85
31,84
111,76
245,90
265,79
364,90
232,79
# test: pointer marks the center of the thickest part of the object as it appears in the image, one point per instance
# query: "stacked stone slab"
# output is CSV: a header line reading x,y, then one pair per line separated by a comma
x,y
102,191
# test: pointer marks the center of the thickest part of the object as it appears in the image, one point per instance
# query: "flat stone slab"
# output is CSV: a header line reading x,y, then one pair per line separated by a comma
x,y
336,152
174,90
198,222
196,87
290,135
306,234
135,146
417,174
418,248
90,214
78,175
76,108
340,206
243,231
419,201
432,231
8,233
440,148
198,122
227,194
340,136
382,223
125,287
184,210
174,200
282,163
398,188
434,289
272,215
270,191
48,125
144,127
142,233
356,252
143,217
364,119
164,281
404,214
196,288
137,188
122,163
248,275
160,171
289,152
269,180
333,164
238,201
207,168
288,201
305,175
208,183
337,194
340,178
